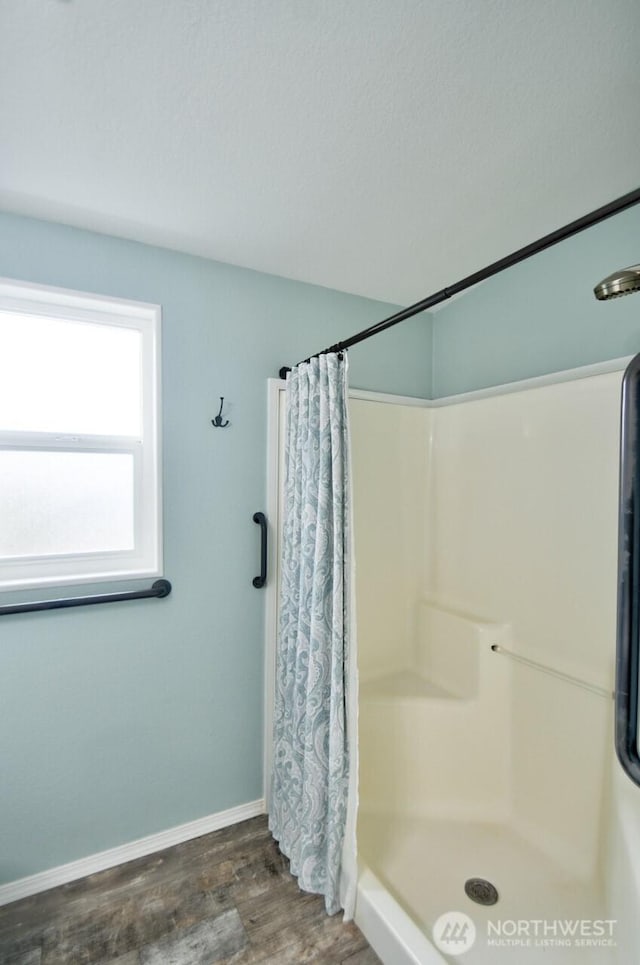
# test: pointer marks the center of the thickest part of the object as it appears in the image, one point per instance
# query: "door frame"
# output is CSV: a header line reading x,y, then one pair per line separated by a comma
x,y
276,395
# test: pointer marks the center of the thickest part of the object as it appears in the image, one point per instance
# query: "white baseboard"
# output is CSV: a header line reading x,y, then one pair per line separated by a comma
x,y
64,873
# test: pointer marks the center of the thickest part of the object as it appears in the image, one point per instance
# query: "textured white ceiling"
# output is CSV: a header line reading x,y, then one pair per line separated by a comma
x,y
383,147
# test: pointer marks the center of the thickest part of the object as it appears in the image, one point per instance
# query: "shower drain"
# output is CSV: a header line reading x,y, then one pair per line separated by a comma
x,y
481,891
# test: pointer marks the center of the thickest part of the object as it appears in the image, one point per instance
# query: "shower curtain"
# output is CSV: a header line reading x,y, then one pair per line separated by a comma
x,y
313,780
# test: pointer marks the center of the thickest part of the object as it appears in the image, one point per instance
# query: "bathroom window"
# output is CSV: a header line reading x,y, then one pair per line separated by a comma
x,y
79,453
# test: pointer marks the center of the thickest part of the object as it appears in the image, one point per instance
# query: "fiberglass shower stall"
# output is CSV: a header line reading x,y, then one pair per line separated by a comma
x,y
486,554
486,558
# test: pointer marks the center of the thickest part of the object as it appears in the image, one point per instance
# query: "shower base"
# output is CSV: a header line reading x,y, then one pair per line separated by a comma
x,y
424,865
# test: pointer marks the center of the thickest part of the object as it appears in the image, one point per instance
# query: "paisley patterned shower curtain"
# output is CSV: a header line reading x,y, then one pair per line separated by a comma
x,y
310,780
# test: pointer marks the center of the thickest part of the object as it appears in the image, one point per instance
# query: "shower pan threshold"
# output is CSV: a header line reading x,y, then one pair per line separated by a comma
x,y
424,864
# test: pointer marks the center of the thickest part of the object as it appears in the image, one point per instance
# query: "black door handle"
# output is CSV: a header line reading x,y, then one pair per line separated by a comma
x,y
259,581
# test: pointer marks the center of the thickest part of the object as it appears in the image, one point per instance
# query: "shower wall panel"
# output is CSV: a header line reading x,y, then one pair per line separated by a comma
x,y
390,452
523,519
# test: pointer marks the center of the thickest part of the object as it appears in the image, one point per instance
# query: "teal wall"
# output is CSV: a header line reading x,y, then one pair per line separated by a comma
x,y
123,720
540,316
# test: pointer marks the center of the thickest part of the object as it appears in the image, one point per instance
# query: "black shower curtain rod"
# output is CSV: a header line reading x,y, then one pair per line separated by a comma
x,y
606,211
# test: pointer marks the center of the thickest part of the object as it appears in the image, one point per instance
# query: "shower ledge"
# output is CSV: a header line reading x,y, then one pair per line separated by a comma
x,y
404,683
451,659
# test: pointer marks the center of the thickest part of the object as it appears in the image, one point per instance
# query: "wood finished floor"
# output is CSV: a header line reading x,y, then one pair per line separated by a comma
x,y
225,898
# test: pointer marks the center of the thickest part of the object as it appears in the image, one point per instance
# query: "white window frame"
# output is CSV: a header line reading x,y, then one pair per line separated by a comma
x,y
145,560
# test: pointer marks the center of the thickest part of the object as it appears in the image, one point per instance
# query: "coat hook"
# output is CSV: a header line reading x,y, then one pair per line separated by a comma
x,y
217,422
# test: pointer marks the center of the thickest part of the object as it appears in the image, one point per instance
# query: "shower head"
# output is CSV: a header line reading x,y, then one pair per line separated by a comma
x,y
621,282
